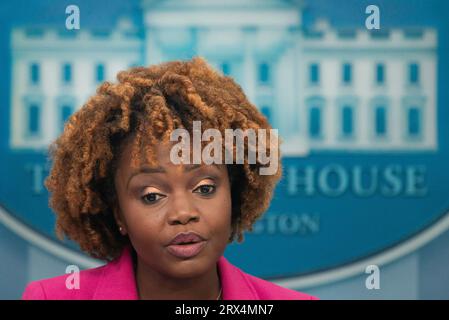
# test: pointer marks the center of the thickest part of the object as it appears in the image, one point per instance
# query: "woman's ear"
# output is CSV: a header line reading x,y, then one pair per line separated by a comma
x,y
119,221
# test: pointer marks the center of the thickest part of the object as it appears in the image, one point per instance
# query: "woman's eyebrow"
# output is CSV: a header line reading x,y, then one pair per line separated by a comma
x,y
146,169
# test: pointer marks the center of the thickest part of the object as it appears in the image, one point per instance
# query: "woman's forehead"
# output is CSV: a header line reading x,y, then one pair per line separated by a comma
x,y
162,161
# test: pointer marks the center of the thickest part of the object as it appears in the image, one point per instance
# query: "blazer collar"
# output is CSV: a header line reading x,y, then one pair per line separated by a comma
x,y
235,283
117,281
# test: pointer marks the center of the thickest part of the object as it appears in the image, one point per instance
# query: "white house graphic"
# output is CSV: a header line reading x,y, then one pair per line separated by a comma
x,y
323,88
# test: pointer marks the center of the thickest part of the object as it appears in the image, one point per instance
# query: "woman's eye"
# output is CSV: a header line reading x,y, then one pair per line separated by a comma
x,y
152,197
205,189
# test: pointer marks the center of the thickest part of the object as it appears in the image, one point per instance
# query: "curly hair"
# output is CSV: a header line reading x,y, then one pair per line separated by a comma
x,y
144,106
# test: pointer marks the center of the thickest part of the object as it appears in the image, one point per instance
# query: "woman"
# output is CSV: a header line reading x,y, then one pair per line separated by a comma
x,y
162,227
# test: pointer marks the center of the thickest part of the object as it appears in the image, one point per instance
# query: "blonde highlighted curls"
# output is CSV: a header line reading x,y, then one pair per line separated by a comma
x,y
144,106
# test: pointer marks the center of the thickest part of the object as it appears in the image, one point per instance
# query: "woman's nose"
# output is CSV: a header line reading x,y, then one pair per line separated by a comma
x,y
182,210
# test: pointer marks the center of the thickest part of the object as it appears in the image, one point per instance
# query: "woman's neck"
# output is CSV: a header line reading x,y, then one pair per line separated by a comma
x,y
152,285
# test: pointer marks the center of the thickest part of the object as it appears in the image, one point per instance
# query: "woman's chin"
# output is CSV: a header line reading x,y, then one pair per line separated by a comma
x,y
189,268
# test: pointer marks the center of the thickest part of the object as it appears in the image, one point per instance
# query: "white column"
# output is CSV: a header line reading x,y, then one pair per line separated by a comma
x,y
397,121
249,75
51,87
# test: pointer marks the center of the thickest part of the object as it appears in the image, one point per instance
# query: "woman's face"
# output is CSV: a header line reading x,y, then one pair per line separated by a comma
x,y
155,204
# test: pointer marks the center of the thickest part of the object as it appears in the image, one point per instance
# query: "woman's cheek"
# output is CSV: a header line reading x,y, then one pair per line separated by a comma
x,y
144,236
141,223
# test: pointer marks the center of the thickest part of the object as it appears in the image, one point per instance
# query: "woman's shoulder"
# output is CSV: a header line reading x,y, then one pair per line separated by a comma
x,y
70,286
237,284
270,291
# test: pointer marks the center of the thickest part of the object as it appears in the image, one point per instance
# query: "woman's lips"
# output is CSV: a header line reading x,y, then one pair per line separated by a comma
x,y
186,250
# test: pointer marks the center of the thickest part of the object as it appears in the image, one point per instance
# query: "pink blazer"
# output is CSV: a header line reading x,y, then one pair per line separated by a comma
x,y
116,281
